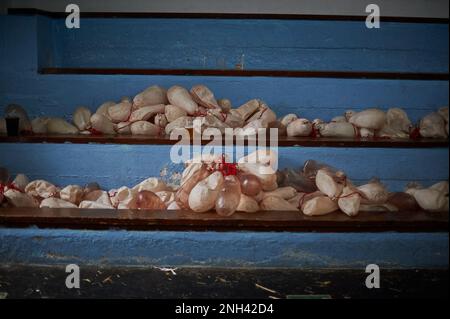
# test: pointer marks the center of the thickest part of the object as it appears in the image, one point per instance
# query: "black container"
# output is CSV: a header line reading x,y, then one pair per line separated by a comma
x,y
12,126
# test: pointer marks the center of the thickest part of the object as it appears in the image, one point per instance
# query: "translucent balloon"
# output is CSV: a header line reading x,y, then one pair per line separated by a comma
x,y
229,196
147,200
289,177
250,184
90,187
403,201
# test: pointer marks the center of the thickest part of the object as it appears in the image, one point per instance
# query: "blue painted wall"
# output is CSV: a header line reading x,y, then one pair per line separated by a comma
x,y
265,44
28,42
117,165
212,249
311,98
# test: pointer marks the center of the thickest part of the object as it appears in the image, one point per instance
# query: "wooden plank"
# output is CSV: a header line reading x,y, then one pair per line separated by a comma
x,y
246,16
74,218
282,141
269,45
249,73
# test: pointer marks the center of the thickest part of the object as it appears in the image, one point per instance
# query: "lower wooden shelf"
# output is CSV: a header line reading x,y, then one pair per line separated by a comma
x,y
282,141
419,221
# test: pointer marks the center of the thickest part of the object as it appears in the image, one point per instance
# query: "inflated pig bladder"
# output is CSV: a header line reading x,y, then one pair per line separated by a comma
x,y
151,96
229,196
326,183
403,201
204,96
204,195
349,201
182,195
250,184
181,97
320,205
299,181
147,200
311,167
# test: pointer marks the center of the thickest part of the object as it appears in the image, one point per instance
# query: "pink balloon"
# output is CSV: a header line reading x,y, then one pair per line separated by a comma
x,y
250,184
147,200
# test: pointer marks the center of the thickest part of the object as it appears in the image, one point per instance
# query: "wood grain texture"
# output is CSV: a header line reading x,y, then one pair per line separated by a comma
x,y
186,220
282,141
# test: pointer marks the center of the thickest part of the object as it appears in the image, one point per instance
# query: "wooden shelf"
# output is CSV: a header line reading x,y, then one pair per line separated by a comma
x,y
247,73
185,220
282,141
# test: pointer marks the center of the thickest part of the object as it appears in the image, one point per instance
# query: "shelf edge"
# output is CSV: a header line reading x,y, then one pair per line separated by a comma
x,y
75,218
251,73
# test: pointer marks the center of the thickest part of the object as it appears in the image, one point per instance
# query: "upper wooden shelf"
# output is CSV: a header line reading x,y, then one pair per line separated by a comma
x,y
282,141
248,73
74,218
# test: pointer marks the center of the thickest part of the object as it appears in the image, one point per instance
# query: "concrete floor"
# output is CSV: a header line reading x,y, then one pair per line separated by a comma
x,y
125,282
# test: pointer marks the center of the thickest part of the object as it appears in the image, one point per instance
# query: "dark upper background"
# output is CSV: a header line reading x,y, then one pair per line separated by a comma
x,y
398,8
